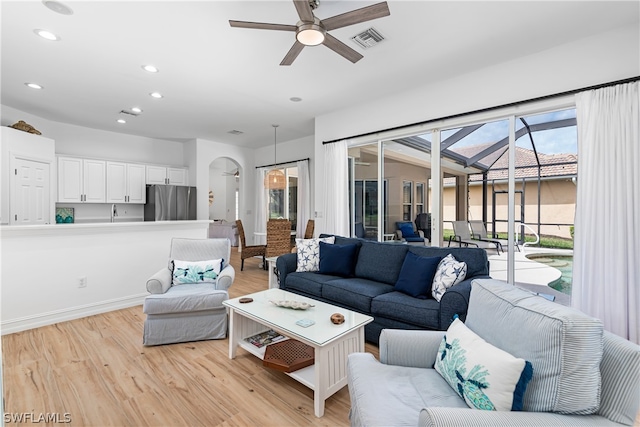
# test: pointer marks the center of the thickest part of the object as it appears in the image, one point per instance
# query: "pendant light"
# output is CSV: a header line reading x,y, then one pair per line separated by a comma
x,y
275,179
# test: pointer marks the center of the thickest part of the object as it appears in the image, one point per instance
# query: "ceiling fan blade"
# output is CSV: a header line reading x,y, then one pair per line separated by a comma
x,y
293,53
304,10
364,14
262,25
341,49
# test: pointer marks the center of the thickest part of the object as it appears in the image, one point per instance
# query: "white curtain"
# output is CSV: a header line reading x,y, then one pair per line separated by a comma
x,y
606,271
303,197
260,224
336,196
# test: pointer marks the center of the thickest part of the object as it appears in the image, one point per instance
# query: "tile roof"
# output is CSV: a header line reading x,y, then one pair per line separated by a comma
x,y
552,165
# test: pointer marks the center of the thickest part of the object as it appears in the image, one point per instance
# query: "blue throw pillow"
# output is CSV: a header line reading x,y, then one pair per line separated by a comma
x,y
337,259
407,230
416,275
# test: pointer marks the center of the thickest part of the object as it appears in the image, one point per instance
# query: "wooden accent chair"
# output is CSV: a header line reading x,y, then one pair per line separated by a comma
x,y
308,232
278,237
248,251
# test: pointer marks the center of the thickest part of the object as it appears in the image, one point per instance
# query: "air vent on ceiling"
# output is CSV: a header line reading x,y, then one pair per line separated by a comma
x,y
129,113
235,132
368,38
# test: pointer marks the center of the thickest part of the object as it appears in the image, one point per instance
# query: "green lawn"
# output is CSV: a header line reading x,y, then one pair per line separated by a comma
x,y
545,241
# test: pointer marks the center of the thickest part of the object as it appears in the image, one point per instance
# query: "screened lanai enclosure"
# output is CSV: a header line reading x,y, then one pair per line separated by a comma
x,y
391,179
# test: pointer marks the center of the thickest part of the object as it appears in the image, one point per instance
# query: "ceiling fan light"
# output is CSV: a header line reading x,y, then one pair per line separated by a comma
x,y
310,34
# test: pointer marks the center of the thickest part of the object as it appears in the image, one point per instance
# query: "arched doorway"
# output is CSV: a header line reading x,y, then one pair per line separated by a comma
x,y
225,175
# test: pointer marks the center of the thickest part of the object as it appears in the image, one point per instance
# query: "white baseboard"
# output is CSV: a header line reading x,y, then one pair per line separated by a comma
x,y
49,318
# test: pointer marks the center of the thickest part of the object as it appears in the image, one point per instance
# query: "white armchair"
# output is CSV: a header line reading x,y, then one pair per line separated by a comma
x,y
193,311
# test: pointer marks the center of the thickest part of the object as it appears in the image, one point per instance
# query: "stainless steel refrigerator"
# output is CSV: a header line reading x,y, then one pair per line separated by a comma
x,y
170,203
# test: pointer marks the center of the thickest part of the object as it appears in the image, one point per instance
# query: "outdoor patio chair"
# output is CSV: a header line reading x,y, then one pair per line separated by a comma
x,y
479,232
463,237
406,232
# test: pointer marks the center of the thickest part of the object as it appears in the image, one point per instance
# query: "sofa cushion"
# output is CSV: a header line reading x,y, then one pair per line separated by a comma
x,y
564,345
483,375
380,261
407,229
476,258
424,313
338,260
308,251
354,292
391,395
185,298
450,272
416,275
307,283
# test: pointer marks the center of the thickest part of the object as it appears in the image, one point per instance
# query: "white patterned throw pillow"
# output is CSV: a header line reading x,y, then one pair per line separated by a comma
x,y
485,376
308,251
450,272
185,272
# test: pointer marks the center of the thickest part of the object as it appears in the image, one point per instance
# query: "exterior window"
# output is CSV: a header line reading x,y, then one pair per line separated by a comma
x,y
407,190
284,203
419,198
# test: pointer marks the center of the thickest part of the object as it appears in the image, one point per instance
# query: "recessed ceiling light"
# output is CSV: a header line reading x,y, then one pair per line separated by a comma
x,y
34,85
136,110
58,7
47,35
121,121
295,99
150,68
156,95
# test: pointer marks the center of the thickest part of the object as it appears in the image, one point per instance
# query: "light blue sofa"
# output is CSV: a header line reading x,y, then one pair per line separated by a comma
x,y
581,375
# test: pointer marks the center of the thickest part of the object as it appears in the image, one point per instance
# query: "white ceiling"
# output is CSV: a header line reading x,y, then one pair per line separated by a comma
x,y
216,78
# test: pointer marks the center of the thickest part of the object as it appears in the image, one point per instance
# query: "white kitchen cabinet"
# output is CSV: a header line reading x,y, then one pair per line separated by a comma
x,y
167,176
81,180
125,183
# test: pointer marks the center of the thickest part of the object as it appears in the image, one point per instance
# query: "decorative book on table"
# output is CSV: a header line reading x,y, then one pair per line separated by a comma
x,y
265,338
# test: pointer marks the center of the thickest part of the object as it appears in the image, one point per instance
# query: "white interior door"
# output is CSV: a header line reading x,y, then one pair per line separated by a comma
x,y
31,193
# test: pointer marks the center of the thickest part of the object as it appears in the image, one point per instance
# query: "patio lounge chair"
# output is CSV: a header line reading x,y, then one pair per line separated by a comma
x,y
479,231
463,237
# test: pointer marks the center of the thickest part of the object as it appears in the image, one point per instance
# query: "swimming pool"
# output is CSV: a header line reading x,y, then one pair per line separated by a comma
x,y
564,263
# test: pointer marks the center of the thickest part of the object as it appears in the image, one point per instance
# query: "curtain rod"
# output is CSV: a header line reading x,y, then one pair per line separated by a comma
x,y
484,110
283,163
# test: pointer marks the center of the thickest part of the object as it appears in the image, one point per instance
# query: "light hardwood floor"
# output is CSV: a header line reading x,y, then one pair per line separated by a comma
x,y
96,370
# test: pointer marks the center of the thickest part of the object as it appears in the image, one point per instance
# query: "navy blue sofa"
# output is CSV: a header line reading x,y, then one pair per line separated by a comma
x,y
370,290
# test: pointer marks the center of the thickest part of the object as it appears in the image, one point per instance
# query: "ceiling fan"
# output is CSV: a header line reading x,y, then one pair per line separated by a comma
x,y
311,31
235,173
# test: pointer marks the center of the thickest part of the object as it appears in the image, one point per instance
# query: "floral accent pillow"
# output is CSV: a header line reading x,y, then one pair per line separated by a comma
x,y
308,251
185,272
450,272
485,376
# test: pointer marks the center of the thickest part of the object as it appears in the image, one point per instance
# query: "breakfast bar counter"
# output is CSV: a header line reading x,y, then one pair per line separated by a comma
x,y
52,273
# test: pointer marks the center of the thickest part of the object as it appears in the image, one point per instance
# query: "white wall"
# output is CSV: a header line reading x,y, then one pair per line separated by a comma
x,y
599,59
87,142
41,266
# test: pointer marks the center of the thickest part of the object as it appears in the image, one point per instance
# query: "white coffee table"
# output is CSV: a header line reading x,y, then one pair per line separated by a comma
x,y
332,343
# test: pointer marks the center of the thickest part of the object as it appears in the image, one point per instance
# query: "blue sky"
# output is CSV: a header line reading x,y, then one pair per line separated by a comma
x,y
553,141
